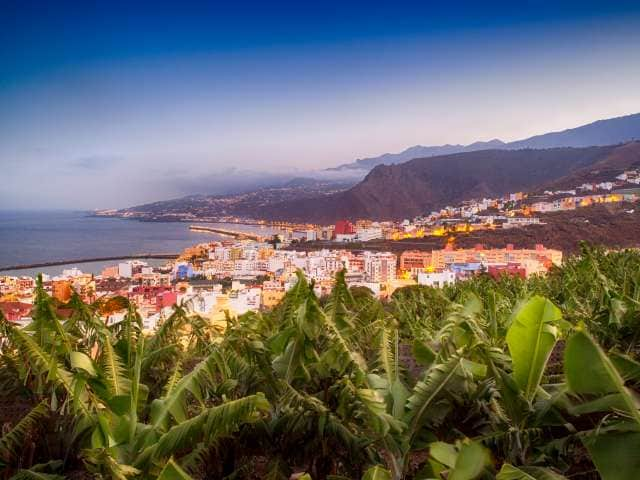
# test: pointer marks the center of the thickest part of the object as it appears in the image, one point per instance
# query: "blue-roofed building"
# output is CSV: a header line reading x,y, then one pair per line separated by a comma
x,y
184,271
463,270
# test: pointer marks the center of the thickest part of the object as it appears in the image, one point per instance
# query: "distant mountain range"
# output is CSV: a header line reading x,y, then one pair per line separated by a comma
x,y
417,151
441,176
603,132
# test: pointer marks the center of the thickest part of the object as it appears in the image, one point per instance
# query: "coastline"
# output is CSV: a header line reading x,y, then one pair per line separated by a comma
x,y
58,263
47,241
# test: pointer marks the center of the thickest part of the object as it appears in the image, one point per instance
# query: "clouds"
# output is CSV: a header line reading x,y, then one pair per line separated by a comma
x,y
95,163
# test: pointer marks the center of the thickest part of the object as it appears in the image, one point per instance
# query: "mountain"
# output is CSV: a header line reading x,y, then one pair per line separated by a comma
x,y
424,184
623,157
602,132
439,176
417,151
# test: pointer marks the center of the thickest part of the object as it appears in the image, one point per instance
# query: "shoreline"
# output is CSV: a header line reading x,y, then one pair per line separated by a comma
x,y
57,263
200,226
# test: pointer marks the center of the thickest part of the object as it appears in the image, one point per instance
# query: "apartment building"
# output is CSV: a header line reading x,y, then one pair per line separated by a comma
x,y
447,256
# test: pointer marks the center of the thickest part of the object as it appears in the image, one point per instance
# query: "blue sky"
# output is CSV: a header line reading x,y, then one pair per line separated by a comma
x,y
107,104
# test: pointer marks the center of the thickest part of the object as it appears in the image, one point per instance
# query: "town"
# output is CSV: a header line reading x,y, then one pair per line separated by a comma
x,y
250,272
236,276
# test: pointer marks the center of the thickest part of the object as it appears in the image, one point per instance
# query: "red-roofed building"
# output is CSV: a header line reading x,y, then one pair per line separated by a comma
x,y
510,269
15,311
166,299
344,227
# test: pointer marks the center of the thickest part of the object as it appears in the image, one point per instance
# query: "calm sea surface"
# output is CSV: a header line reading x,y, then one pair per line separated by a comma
x,y
34,237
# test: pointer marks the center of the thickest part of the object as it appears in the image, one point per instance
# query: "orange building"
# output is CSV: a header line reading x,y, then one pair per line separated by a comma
x,y
110,272
61,290
264,253
441,258
414,259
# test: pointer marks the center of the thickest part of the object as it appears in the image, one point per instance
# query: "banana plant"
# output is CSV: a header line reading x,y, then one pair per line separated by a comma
x,y
598,381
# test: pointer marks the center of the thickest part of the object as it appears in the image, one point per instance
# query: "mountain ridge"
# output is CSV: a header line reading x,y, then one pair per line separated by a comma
x,y
393,191
601,132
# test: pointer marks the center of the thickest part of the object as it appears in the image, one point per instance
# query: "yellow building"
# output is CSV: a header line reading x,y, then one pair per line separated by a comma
x,y
264,253
272,296
85,286
235,253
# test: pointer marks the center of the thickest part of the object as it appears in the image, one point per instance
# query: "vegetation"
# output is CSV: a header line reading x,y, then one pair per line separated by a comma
x,y
507,379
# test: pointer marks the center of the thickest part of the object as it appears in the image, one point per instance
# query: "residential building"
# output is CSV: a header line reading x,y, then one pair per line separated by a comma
x,y
437,279
380,267
369,233
344,227
125,270
447,256
413,260
61,290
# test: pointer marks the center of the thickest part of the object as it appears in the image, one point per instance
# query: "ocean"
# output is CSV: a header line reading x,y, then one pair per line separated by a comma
x,y
28,237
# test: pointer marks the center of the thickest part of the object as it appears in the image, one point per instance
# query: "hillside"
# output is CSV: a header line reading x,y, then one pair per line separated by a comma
x,y
615,225
622,158
422,185
215,207
602,132
457,172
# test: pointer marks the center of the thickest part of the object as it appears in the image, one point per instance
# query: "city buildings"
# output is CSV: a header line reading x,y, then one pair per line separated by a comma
x,y
237,276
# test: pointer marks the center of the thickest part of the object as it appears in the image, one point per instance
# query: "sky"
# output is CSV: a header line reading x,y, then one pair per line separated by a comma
x,y
111,104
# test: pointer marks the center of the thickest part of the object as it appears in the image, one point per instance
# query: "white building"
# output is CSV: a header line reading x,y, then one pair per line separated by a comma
x,y
437,279
125,270
245,300
371,233
202,303
71,272
605,185
520,221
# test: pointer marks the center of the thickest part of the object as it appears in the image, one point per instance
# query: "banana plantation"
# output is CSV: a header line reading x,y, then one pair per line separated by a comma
x,y
504,379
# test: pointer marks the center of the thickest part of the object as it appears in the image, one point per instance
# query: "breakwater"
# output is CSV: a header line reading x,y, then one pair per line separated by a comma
x,y
141,256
